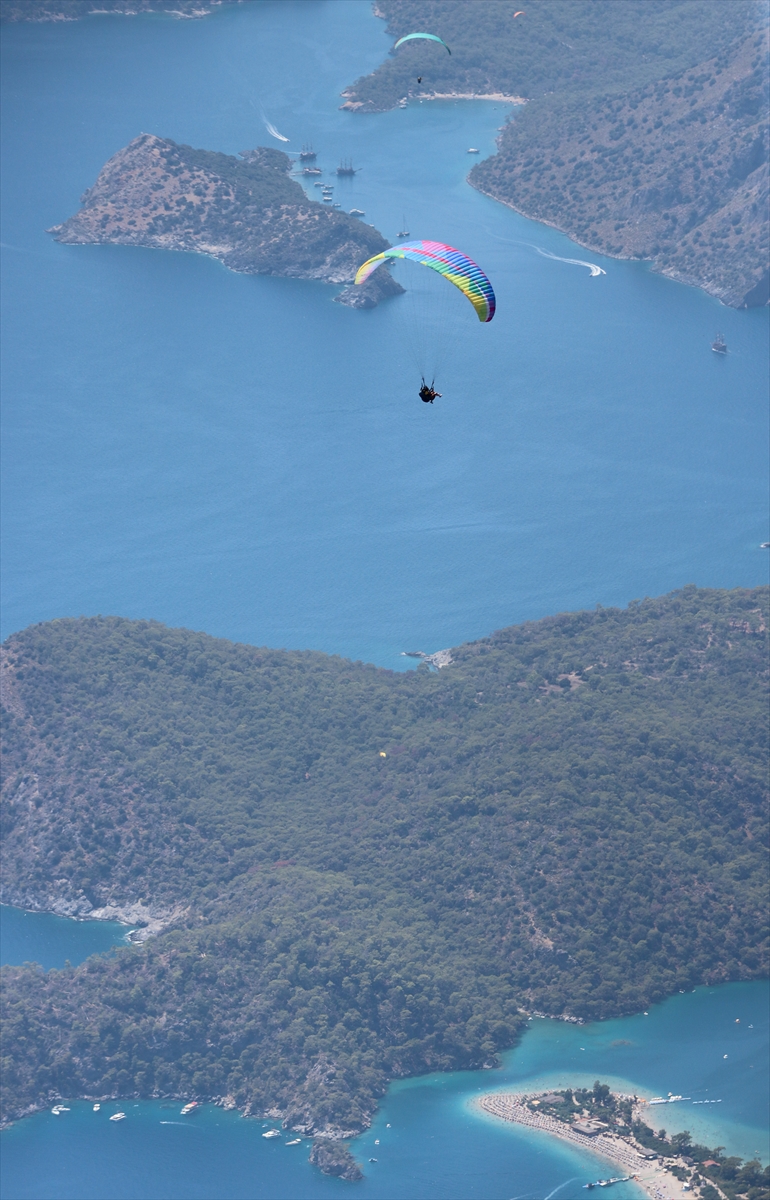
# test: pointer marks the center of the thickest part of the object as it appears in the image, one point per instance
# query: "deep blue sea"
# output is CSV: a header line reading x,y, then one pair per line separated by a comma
x,y
242,456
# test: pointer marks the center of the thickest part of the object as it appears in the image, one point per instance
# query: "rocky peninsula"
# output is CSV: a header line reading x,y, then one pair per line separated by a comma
x,y
246,211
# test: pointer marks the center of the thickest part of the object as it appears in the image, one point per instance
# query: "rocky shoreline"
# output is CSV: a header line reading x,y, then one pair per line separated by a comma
x,y
246,212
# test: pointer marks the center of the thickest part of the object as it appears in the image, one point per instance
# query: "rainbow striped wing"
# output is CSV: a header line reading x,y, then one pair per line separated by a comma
x,y
455,266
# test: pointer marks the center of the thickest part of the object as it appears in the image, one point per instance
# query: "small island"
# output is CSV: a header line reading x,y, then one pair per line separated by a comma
x,y
334,1158
613,1125
244,211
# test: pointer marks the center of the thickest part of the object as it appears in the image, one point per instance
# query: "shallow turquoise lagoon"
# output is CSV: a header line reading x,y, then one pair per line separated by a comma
x,y
429,1138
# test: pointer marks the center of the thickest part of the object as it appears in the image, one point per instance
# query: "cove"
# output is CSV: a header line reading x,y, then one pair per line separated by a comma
x,y
53,941
241,455
428,1138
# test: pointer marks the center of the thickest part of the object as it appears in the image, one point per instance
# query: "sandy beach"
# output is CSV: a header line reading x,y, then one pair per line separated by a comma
x,y
656,1180
499,96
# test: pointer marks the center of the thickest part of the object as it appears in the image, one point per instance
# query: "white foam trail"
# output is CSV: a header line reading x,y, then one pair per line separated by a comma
x,y
574,1177
575,262
271,129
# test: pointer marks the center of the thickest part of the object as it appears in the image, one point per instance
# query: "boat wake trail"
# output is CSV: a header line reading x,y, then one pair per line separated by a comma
x,y
271,129
574,1178
575,262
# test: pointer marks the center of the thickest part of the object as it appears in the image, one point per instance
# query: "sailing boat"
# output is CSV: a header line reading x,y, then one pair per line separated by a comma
x,y
719,345
403,232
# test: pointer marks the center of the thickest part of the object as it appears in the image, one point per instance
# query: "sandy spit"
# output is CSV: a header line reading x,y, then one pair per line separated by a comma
x,y
653,1177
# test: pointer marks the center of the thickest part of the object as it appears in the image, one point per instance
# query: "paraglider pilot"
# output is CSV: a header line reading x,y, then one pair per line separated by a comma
x,y
428,393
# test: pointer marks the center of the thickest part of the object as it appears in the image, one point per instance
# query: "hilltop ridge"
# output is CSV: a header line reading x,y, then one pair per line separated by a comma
x,y
356,875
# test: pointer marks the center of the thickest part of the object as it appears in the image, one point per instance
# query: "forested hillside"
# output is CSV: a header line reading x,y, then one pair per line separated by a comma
x,y
367,874
646,132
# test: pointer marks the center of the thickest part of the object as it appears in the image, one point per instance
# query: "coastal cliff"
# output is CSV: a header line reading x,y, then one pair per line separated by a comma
x,y
244,211
644,133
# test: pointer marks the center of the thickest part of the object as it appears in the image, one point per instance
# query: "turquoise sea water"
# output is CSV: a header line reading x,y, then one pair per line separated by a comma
x,y
242,456
53,941
429,1139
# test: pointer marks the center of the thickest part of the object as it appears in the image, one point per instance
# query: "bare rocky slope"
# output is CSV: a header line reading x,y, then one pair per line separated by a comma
x,y
674,172
246,212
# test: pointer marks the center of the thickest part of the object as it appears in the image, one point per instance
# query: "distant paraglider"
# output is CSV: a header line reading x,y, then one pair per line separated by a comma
x,y
520,13
431,37
455,266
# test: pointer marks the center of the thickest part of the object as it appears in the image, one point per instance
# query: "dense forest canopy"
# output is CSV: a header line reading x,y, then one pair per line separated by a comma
x,y
376,874
565,47
646,134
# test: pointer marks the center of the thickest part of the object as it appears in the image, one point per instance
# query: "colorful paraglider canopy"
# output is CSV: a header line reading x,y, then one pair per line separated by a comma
x,y
520,13
455,266
430,36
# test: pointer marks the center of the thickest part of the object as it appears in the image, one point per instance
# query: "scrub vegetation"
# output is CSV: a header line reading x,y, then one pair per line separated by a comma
x,y
376,874
646,131
245,211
